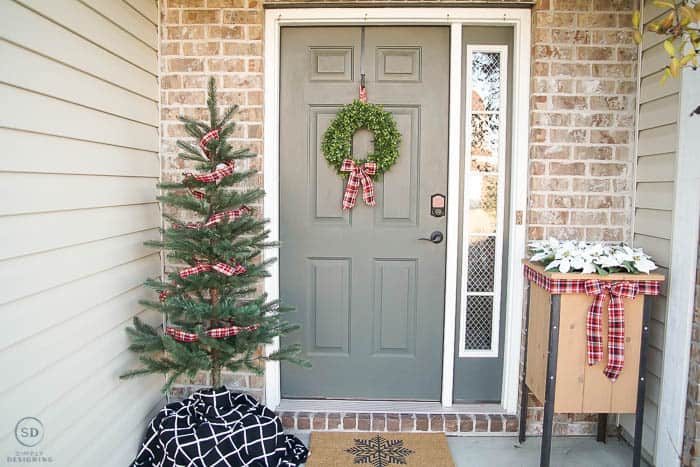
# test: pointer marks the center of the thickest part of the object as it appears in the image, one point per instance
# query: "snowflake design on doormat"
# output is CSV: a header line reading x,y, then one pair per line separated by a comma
x,y
379,452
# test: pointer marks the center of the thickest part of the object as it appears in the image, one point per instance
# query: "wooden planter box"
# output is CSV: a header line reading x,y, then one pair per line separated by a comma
x,y
581,388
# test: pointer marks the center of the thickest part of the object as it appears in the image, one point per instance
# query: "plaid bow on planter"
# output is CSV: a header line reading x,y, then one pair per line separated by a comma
x,y
616,323
359,175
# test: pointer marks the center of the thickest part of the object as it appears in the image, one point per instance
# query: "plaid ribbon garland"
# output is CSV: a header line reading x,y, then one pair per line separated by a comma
x,y
617,291
204,142
230,215
220,267
214,176
215,333
359,175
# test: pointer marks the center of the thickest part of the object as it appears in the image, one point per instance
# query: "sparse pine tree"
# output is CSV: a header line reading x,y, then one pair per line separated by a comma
x,y
215,318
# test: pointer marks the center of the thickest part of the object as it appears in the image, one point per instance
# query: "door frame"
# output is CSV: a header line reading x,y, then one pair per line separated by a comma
x,y
455,18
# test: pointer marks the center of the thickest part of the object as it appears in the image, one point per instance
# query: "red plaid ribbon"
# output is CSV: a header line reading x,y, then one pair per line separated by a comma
x,y
231,214
363,94
616,323
223,268
616,312
359,175
214,176
204,142
197,193
216,333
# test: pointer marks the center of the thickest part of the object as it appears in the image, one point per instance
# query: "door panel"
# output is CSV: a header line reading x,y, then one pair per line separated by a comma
x,y
369,294
485,171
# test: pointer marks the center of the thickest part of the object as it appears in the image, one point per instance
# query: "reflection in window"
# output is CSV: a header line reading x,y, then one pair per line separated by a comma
x,y
482,243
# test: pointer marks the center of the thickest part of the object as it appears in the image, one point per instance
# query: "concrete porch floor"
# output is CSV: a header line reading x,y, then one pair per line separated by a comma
x,y
505,451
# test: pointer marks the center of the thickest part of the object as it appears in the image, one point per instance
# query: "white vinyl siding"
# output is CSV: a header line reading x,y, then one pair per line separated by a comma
x,y
78,174
654,197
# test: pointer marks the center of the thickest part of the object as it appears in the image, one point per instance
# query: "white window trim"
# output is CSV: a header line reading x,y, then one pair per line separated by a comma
x,y
500,221
520,19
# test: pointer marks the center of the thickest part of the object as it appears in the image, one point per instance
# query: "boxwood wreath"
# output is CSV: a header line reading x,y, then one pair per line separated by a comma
x,y
337,140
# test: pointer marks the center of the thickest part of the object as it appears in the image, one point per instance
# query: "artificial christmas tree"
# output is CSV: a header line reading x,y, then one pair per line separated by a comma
x,y
215,318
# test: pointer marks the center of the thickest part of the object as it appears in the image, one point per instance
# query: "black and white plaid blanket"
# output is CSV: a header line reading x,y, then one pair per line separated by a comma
x,y
218,428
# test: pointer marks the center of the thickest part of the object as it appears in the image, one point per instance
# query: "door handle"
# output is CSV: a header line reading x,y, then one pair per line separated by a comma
x,y
435,237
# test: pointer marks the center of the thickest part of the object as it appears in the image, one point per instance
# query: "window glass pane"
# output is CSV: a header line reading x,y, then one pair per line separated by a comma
x,y
486,81
481,261
479,321
485,138
483,193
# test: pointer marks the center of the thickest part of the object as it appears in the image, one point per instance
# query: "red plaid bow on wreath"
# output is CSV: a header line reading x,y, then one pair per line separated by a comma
x,y
616,323
359,175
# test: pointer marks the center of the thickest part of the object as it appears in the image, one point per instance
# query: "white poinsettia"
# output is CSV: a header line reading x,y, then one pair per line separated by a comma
x,y
589,257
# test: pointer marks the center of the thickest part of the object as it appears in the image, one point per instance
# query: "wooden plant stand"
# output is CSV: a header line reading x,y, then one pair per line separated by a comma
x,y
555,367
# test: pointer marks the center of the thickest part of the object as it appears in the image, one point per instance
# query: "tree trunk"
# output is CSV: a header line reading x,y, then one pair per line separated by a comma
x,y
215,360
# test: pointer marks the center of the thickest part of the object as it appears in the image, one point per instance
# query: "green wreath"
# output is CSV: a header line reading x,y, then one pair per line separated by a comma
x,y
337,140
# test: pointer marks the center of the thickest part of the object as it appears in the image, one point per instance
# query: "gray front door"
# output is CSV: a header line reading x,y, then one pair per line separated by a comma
x,y
369,294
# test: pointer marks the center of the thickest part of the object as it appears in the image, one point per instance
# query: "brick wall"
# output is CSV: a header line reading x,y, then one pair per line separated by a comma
x,y
199,39
583,89
582,120
691,442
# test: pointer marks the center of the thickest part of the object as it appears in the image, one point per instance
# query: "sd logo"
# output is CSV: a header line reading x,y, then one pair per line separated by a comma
x,y
29,431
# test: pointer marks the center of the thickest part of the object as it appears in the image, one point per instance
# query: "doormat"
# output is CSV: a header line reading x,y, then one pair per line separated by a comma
x,y
369,449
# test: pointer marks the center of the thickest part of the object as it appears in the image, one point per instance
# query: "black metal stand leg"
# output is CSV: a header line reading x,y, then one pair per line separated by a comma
x,y
523,385
602,435
641,386
550,387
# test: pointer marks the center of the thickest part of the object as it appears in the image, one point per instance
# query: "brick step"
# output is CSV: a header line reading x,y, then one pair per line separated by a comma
x,y
406,422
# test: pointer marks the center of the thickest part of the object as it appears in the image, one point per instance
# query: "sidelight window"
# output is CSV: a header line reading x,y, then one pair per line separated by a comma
x,y
483,202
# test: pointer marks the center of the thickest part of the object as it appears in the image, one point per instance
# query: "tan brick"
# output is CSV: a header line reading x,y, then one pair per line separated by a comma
x,y
184,32
595,86
566,201
594,152
185,64
609,103
550,184
596,20
201,48
570,102
186,97
549,217
572,5
242,17
609,70
589,217
595,53
225,32
550,152
608,170
610,137
186,3
568,136
226,3
242,48
201,16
